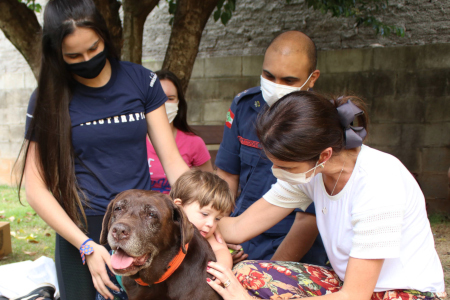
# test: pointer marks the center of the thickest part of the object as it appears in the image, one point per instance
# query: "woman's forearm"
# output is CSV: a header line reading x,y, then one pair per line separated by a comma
x,y
256,219
46,206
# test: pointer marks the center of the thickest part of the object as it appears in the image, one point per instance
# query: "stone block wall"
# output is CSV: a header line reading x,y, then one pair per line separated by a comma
x,y
15,91
407,90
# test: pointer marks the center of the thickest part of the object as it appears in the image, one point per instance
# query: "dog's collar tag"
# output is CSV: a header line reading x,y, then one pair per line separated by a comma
x,y
171,268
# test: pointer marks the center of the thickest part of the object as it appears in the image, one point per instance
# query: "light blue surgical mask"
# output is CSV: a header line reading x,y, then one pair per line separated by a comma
x,y
295,178
272,91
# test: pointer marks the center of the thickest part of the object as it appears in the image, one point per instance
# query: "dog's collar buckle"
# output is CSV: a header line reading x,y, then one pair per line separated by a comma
x,y
171,268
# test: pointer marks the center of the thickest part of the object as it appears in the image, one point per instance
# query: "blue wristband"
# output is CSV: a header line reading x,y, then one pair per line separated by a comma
x,y
85,250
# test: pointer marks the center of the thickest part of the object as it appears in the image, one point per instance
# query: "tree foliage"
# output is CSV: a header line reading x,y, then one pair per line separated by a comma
x,y
31,4
20,25
363,11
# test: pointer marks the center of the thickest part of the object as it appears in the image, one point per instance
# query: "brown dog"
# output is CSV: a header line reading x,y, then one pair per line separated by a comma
x,y
147,231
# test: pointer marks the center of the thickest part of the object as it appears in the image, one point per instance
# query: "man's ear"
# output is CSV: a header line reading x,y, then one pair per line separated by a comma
x,y
313,79
177,201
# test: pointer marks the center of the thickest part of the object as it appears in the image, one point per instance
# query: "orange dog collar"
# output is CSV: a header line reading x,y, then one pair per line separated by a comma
x,y
171,268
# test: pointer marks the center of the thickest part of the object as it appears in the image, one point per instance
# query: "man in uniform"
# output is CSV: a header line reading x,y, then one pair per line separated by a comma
x,y
289,65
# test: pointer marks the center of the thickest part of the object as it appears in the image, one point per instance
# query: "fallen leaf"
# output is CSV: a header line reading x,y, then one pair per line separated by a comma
x,y
30,213
21,237
21,231
18,221
12,218
33,241
13,233
30,253
48,234
2,211
441,240
2,216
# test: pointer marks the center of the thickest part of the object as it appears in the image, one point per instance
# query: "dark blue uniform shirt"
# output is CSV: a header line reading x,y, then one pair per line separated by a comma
x,y
240,154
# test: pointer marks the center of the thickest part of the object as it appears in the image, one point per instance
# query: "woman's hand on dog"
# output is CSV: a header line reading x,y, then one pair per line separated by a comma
x,y
96,263
233,289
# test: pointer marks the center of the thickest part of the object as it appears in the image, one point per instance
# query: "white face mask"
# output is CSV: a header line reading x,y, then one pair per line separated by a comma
x,y
171,111
272,91
295,178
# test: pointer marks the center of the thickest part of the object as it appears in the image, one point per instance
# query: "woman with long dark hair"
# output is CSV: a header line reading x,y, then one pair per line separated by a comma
x,y
370,210
192,148
85,139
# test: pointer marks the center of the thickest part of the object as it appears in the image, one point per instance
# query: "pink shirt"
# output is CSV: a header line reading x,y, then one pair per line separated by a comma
x,y
192,149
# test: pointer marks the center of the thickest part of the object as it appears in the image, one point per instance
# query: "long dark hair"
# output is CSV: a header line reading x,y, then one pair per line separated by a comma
x,y
51,124
302,124
180,121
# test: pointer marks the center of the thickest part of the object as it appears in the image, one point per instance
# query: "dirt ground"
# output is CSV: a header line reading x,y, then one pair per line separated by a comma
x,y
442,240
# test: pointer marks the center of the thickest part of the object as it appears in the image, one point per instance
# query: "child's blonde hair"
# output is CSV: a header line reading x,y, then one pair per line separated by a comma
x,y
204,187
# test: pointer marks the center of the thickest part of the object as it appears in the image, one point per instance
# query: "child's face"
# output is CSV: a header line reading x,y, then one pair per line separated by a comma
x,y
205,218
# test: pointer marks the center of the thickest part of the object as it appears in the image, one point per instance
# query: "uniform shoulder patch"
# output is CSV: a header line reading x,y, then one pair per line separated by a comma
x,y
230,118
248,92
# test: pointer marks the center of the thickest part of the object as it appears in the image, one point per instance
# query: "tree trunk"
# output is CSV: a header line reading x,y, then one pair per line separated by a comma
x,y
21,27
110,12
188,24
134,15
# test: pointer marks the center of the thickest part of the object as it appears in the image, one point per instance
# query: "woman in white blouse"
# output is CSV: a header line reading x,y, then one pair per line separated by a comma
x,y
370,210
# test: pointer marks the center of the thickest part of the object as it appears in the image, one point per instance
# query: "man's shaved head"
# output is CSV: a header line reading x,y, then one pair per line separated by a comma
x,y
291,42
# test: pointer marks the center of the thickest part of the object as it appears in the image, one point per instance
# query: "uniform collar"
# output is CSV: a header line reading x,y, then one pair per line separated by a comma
x,y
258,103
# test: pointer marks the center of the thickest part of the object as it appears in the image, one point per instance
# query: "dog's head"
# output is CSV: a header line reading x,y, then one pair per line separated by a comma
x,y
138,225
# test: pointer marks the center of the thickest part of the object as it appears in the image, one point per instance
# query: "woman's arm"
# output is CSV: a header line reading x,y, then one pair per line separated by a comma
x,y
299,239
48,208
256,219
162,140
360,280
206,167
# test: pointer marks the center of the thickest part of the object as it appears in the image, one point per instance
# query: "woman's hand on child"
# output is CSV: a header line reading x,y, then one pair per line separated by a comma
x,y
238,253
96,263
230,288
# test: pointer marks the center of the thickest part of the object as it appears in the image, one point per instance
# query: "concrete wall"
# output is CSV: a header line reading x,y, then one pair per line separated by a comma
x,y
406,85
406,88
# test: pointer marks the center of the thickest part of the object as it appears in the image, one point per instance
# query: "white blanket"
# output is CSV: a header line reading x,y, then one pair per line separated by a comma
x,y
19,278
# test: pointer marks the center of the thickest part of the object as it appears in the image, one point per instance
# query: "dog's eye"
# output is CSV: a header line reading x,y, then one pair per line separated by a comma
x,y
118,208
151,214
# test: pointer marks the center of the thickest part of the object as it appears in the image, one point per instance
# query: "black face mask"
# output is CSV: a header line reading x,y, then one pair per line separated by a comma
x,y
91,68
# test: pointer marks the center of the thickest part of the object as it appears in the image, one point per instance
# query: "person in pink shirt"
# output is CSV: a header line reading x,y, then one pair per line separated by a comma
x,y
192,148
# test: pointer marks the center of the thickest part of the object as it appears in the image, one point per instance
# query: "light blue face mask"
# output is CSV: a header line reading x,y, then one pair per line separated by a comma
x,y
272,91
295,178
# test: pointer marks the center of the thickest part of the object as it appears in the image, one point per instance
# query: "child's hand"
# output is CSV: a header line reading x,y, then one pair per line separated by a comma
x,y
238,253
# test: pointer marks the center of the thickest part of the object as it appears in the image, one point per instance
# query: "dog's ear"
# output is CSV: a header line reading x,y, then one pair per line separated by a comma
x,y
105,224
186,227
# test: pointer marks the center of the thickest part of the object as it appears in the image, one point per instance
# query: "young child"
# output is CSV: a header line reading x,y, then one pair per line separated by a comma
x,y
205,199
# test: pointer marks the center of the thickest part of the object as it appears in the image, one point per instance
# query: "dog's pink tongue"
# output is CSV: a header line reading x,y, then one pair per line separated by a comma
x,y
120,260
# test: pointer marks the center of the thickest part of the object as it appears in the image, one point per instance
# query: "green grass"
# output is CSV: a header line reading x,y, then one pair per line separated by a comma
x,y
439,219
33,237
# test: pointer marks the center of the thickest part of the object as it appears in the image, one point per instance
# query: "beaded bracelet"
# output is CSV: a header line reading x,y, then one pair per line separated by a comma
x,y
85,250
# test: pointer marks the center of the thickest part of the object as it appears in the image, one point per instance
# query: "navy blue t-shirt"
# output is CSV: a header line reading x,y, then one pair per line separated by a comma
x,y
109,131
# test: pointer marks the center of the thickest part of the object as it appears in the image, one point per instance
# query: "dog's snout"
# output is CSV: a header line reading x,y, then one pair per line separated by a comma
x,y
121,232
